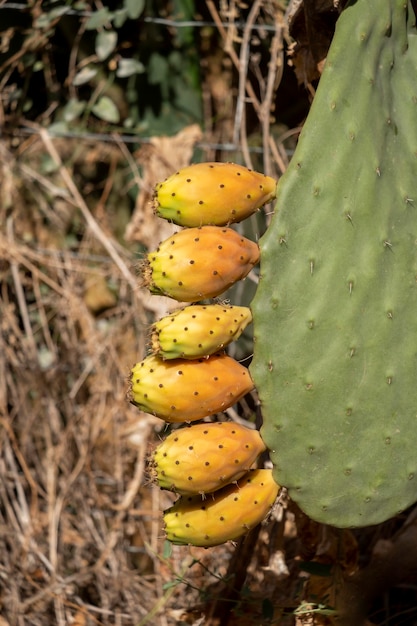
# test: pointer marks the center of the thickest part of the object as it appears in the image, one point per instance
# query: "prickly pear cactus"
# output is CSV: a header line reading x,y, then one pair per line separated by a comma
x,y
335,313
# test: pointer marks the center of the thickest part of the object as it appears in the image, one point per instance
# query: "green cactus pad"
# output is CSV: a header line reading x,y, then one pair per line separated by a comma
x,y
335,314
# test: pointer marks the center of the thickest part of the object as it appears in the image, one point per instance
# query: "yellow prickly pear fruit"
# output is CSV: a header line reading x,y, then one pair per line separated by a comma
x,y
199,330
184,391
224,515
212,193
205,457
199,263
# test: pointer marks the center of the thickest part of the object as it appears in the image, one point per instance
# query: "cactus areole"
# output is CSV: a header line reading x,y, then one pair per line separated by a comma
x,y
335,315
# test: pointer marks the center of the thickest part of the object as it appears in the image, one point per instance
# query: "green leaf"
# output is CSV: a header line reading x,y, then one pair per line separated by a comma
x,y
98,19
106,110
73,109
184,10
27,105
157,69
187,99
128,67
106,42
321,609
169,585
58,127
134,8
167,549
120,17
46,19
84,75
58,12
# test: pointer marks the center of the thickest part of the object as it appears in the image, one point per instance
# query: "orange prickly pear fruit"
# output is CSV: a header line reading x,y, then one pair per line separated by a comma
x,y
184,391
205,457
199,263
198,330
212,193
224,515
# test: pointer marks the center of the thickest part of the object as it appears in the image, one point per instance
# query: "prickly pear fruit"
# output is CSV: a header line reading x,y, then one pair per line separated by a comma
x,y
199,263
335,353
199,330
224,515
212,193
185,391
205,457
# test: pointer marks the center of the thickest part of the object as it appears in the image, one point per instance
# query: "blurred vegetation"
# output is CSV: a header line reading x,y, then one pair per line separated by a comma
x,y
100,66
138,67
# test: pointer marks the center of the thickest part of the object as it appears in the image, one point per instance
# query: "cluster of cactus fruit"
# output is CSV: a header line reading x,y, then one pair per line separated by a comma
x,y
188,376
334,343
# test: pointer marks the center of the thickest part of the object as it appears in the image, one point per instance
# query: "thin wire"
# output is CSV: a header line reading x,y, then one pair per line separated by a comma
x,y
109,138
151,20
202,24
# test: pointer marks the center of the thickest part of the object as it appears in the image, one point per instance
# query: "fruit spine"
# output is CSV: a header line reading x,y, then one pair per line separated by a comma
x,y
202,458
212,193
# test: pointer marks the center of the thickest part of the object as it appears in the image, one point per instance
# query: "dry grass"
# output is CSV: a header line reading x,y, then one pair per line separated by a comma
x,y
80,523
73,449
